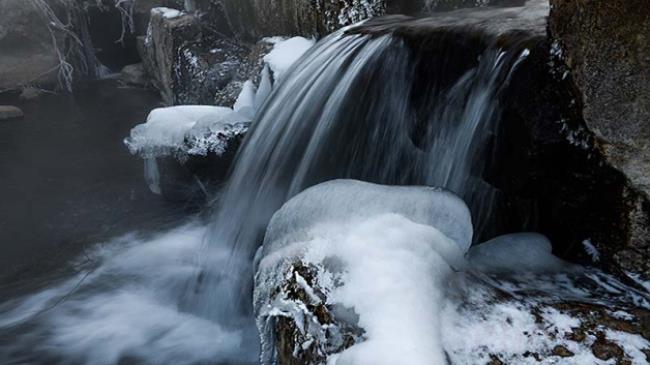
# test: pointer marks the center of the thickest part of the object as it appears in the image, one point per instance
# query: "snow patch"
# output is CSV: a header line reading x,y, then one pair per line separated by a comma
x,y
167,13
285,53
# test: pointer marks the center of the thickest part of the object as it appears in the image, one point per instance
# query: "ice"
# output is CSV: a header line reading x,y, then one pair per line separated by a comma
x,y
264,90
348,199
591,250
245,103
187,129
285,53
393,247
518,252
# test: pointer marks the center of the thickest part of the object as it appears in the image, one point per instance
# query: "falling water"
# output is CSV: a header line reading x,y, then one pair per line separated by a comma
x,y
355,106
347,111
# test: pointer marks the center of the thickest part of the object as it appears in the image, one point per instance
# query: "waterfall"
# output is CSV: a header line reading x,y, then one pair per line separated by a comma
x,y
349,110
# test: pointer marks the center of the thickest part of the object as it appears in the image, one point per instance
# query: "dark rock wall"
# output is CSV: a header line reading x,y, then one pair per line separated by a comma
x,y
606,46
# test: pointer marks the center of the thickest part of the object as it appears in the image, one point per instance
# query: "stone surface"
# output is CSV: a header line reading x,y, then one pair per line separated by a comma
x,y
134,75
162,46
28,55
606,46
10,112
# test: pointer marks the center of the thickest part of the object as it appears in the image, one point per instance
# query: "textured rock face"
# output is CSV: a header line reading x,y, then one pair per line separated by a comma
x,y
28,55
606,46
163,45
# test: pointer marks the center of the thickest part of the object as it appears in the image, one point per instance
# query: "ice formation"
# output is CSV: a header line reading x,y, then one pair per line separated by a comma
x,y
187,130
519,252
285,53
371,242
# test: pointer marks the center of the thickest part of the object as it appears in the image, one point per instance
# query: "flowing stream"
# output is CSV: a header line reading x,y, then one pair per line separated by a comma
x,y
348,109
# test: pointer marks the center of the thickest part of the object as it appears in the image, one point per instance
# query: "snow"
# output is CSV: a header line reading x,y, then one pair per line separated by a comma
x,y
167,13
185,129
285,53
519,252
371,242
632,344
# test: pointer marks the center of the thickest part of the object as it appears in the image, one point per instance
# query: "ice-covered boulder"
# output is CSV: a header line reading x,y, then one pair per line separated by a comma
x,y
353,272
518,252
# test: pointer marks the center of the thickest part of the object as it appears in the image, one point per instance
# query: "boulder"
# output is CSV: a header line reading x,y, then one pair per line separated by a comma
x,y
10,112
134,75
606,47
169,31
28,48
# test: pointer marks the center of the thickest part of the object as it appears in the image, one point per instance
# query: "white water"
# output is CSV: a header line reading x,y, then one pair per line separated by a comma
x,y
123,303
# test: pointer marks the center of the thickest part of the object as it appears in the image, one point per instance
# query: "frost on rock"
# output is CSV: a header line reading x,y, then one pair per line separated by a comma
x,y
358,245
354,11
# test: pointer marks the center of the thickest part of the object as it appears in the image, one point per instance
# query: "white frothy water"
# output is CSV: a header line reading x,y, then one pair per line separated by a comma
x,y
123,304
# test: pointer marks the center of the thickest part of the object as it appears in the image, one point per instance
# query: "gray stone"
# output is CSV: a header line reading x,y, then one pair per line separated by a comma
x,y
134,75
28,55
606,46
162,45
10,112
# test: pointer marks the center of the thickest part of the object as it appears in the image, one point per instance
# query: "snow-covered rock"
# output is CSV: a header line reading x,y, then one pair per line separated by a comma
x,y
285,53
187,130
359,244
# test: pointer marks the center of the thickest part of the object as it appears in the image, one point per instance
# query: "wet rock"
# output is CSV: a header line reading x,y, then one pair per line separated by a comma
x,y
10,112
134,75
607,50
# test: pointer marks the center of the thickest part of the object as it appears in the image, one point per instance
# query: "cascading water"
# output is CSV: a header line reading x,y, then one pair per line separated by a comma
x,y
348,111
355,106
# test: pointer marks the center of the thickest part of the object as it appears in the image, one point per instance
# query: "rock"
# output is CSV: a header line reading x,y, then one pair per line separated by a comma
x,y
10,112
190,64
166,36
134,75
28,52
607,50
142,12
562,351
30,93
606,350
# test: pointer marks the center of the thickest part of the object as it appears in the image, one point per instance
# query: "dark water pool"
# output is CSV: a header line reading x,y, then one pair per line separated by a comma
x,y
67,181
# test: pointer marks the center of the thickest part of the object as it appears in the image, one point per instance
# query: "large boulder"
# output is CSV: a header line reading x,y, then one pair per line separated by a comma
x,y
29,54
606,46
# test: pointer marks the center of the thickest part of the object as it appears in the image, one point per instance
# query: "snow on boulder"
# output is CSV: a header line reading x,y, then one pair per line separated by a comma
x,y
518,252
187,130
353,273
285,53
